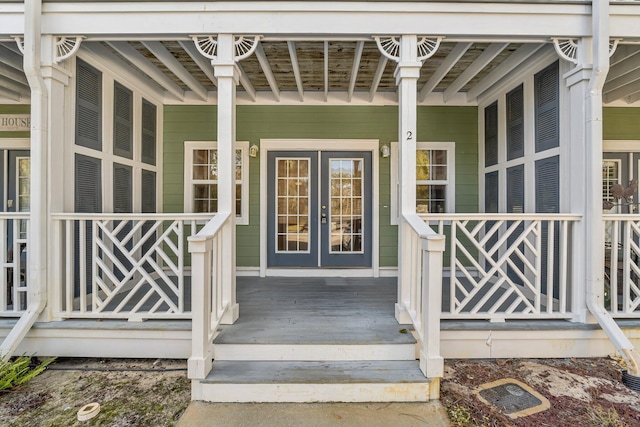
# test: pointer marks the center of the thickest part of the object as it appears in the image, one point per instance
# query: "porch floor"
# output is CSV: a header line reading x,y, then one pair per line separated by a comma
x,y
314,310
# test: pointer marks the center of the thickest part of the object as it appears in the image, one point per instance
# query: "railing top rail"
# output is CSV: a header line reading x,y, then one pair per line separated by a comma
x,y
211,228
134,216
499,216
14,215
620,217
420,227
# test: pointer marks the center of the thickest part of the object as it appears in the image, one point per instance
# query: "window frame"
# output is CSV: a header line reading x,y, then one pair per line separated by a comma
x,y
189,148
450,182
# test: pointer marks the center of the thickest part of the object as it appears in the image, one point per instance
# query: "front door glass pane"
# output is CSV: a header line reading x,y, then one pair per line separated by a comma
x,y
292,207
345,205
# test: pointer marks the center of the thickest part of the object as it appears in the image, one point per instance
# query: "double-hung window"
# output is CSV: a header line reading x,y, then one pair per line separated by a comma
x,y
201,178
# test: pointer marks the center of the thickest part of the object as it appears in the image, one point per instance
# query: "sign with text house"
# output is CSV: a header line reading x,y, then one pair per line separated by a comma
x,y
15,122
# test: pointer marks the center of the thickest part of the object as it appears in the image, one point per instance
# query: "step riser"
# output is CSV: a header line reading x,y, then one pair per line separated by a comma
x,y
292,393
314,352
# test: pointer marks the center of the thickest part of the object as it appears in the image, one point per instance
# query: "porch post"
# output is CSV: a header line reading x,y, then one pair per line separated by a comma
x,y
583,185
228,75
56,79
406,73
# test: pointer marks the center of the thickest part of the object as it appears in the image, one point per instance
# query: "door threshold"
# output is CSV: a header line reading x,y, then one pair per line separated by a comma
x,y
320,272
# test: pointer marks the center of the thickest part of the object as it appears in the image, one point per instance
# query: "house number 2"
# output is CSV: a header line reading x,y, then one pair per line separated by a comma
x,y
409,135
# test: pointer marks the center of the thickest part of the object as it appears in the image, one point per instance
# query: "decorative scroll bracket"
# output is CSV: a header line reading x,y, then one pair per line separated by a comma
x,y
389,46
567,49
66,47
20,42
208,46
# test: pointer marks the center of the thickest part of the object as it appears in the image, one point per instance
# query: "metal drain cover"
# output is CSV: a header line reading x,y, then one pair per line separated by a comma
x,y
512,397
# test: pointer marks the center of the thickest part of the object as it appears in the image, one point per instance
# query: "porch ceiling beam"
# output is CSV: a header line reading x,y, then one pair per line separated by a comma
x,y
137,59
13,74
9,57
160,52
203,63
382,64
326,70
444,68
23,90
623,92
515,59
633,98
268,72
354,70
246,83
6,93
622,53
623,69
482,61
296,67
100,53
621,82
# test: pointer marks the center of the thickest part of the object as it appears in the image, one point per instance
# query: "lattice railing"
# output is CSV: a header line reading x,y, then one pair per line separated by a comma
x,y
622,265
506,266
14,296
125,265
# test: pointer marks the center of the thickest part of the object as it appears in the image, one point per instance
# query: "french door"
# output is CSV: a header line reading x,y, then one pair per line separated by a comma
x,y
319,209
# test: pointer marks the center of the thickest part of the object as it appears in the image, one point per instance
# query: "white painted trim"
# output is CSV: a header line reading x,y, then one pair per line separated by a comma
x,y
320,272
315,352
623,145
372,145
189,147
15,143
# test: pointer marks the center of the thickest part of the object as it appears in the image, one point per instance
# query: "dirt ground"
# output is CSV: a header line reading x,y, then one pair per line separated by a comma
x,y
582,392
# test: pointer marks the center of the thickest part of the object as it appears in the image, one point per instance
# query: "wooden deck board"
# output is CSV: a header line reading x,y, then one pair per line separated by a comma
x,y
287,310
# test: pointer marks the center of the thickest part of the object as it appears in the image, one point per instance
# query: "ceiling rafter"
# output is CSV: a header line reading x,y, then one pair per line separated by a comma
x,y
246,83
481,61
147,67
633,98
13,74
326,70
6,93
296,67
515,59
382,64
626,91
9,57
623,51
159,51
449,62
268,72
354,70
621,82
201,61
630,64
22,90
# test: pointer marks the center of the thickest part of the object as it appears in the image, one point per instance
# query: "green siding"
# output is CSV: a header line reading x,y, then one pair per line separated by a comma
x,y
14,109
621,123
197,123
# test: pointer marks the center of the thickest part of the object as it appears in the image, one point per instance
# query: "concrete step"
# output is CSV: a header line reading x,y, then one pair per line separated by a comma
x,y
315,352
337,381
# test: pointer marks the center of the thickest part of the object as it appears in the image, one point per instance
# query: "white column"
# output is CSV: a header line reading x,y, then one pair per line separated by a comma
x,y
50,178
576,159
407,74
228,75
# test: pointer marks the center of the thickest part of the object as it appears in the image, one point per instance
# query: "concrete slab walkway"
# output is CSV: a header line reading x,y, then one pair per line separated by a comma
x,y
201,414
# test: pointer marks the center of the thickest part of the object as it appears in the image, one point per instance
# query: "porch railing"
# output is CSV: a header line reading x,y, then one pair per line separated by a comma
x,y
622,265
210,302
129,266
14,295
506,266
424,265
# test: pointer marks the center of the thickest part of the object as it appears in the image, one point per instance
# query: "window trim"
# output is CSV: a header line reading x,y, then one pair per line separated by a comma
x,y
450,148
189,147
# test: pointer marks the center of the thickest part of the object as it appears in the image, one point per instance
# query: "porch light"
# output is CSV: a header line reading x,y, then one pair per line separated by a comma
x,y
253,151
384,151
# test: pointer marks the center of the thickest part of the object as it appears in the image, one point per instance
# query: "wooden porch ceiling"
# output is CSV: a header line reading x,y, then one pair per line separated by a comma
x,y
177,72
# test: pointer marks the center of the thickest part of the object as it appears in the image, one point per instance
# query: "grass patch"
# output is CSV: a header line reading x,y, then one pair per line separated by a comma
x,y
19,371
599,416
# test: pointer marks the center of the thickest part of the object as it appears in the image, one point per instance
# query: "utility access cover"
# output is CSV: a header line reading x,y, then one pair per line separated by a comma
x,y
514,398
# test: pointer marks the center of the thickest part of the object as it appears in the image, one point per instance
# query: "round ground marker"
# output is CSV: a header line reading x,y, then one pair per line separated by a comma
x,y
88,411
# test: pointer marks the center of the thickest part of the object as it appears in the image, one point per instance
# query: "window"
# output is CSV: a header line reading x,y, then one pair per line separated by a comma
x,y
435,178
201,178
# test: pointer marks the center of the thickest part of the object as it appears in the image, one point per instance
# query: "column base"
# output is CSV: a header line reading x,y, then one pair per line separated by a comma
x,y
231,315
402,316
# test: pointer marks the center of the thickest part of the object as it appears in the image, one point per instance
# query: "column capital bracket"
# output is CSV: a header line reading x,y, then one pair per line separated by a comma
x,y
66,47
567,48
389,46
207,45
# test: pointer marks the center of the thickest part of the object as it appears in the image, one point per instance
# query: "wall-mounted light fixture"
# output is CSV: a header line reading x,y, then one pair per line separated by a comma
x,y
253,151
384,151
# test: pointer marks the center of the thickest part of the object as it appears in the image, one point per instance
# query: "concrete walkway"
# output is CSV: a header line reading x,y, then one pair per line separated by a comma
x,y
203,414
